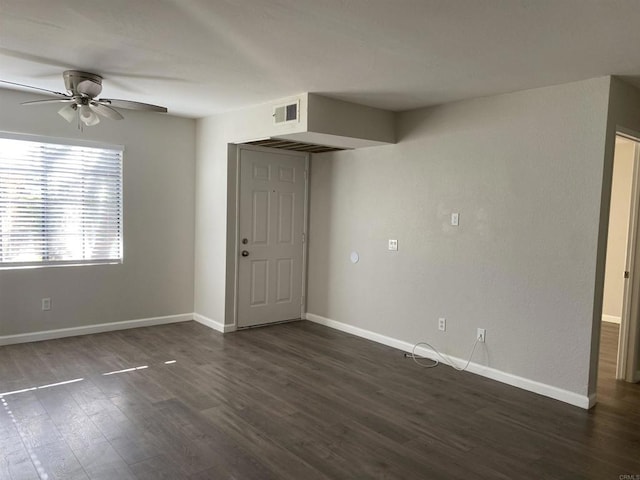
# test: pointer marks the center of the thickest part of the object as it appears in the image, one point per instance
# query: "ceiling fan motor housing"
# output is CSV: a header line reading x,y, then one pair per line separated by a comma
x,y
82,83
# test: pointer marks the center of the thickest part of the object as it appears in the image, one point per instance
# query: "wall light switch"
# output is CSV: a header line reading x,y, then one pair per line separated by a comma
x,y
455,219
46,304
393,245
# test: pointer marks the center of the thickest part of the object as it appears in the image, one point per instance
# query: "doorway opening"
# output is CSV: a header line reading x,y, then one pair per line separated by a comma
x,y
618,332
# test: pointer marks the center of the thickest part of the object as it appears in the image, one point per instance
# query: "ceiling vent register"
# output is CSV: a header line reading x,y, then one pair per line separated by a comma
x,y
289,113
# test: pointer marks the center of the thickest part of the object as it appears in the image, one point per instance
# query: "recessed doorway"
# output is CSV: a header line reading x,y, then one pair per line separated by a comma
x,y
618,329
270,239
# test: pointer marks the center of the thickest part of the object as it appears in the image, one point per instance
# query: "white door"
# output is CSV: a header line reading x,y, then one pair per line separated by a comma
x,y
271,228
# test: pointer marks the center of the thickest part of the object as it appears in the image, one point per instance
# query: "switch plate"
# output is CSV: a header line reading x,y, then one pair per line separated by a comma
x,y
46,304
393,245
455,219
442,324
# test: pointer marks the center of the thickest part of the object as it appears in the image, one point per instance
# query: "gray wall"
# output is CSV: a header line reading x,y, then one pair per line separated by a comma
x,y
211,220
156,278
525,172
335,123
335,117
215,198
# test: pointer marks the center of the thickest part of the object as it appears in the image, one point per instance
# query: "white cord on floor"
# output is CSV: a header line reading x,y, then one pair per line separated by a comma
x,y
436,362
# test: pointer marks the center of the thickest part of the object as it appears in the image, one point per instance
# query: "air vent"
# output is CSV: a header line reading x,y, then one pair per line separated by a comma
x,y
286,113
296,146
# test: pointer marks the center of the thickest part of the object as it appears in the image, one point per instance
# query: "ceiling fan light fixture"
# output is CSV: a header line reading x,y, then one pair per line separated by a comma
x,y
82,104
68,112
88,116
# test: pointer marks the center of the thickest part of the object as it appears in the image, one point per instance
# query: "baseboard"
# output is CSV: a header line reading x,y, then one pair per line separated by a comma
x,y
207,322
89,329
610,319
556,393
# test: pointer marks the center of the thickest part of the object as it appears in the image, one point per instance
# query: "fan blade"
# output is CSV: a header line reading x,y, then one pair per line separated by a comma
x,y
53,100
68,112
106,111
34,88
132,105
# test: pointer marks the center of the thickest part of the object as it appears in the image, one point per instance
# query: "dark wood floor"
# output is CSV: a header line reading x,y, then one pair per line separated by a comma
x,y
611,392
608,355
295,401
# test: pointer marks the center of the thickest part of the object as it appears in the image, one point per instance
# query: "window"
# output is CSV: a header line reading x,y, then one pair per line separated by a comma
x,y
60,204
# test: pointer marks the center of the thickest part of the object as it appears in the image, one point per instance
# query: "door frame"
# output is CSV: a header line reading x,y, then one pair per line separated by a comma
x,y
236,235
627,357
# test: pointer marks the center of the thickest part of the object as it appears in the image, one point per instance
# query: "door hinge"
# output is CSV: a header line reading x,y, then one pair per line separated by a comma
x,y
304,238
626,274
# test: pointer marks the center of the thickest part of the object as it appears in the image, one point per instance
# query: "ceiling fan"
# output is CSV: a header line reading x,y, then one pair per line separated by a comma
x,y
81,102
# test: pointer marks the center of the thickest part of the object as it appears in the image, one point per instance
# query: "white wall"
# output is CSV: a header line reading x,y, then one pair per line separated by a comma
x,y
156,278
525,172
619,211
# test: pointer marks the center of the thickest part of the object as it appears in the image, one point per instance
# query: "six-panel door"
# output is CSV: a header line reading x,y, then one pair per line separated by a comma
x,y
271,226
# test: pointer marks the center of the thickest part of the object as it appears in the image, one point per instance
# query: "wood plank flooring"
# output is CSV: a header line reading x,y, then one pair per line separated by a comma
x,y
293,401
611,392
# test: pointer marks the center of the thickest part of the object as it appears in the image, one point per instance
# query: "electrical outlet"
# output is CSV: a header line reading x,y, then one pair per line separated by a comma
x,y
442,324
482,335
393,245
46,304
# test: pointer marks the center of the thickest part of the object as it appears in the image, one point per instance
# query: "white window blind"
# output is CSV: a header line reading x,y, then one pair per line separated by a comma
x,y
60,204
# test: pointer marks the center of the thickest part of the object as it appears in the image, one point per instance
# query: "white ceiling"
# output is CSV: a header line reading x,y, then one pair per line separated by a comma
x,y
201,57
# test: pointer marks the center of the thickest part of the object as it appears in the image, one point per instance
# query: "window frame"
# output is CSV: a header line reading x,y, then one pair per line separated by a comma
x,y
71,142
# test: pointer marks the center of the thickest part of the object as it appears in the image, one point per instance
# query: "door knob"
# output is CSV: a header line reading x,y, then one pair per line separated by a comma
x,y
245,253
